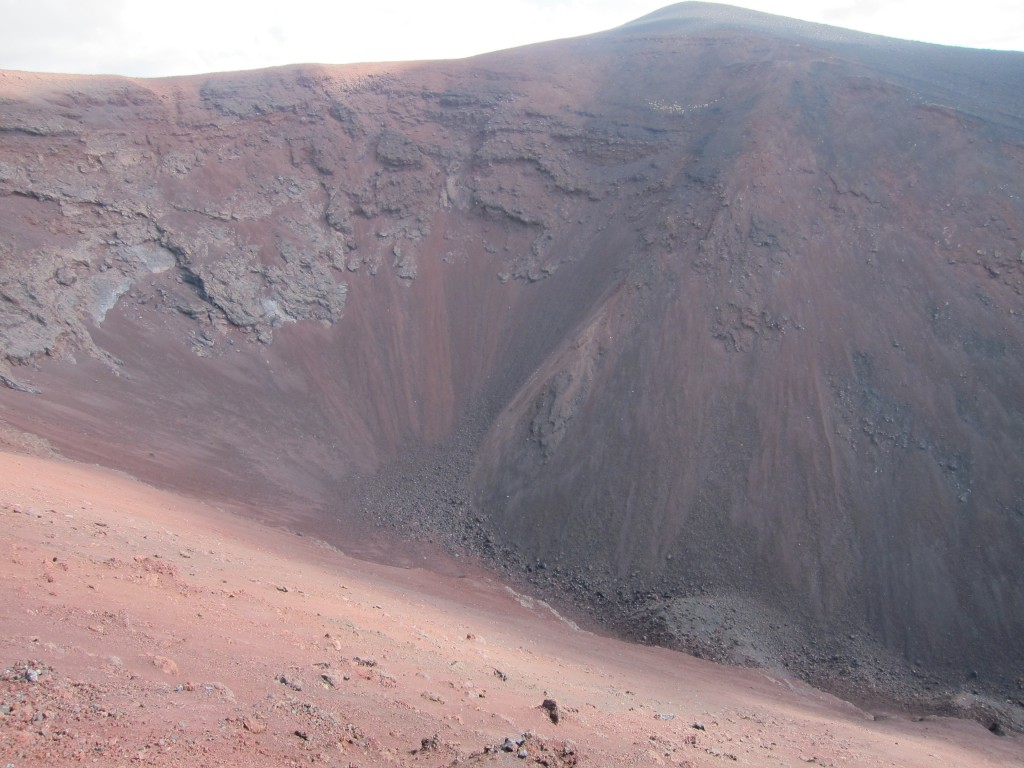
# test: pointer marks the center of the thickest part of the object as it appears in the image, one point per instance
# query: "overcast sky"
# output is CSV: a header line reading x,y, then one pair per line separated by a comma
x,y
150,38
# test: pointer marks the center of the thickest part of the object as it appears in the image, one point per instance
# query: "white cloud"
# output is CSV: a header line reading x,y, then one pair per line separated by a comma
x,y
154,37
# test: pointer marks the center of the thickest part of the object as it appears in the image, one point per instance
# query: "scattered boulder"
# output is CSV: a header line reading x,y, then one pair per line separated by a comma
x,y
291,682
429,744
551,706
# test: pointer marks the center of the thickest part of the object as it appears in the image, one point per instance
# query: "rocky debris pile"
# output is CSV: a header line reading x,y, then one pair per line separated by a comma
x,y
527,749
45,716
25,671
48,719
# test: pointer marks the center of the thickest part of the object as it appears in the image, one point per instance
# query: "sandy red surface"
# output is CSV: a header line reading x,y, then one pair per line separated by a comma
x,y
146,628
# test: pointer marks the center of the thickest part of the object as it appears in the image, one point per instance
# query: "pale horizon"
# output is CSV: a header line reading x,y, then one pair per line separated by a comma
x,y
149,39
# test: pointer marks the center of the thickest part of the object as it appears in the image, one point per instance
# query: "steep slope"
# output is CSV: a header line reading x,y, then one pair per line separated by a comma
x,y
711,324
154,629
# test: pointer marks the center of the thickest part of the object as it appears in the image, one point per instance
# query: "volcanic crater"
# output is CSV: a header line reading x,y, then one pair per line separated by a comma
x,y
709,328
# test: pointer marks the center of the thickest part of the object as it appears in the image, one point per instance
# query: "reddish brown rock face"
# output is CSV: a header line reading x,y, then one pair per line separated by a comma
x,y
711,324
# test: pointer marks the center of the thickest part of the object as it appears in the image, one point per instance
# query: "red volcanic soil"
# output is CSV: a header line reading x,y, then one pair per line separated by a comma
x,y
147,628
709,328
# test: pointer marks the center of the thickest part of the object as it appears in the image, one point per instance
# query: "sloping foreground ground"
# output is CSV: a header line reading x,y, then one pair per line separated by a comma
x,y
146,628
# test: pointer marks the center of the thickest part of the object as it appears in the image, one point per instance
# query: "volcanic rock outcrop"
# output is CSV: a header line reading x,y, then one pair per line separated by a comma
x,y
712,324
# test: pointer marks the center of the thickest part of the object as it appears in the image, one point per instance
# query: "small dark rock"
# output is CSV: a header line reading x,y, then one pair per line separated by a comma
x,y
295,685
552,709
